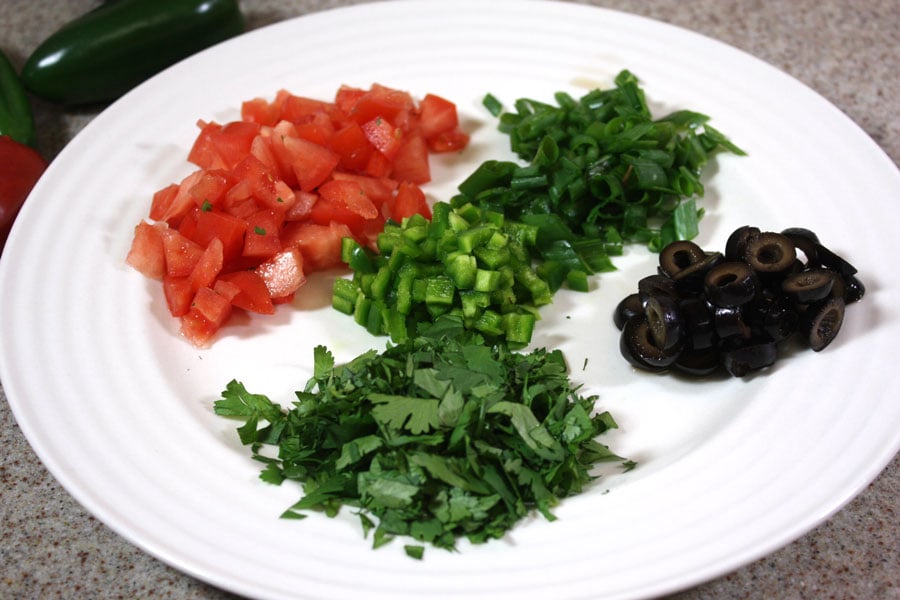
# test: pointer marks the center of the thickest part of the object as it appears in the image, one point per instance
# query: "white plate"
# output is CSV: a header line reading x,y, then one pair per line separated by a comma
x,y
119,408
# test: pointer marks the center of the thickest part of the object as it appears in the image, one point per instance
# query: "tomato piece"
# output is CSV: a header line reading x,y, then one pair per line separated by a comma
x,y
211,186
226,289
162,200
146,254
203,153
411,160
352,147
261,148
302,206
436,115
347,97
386,138
208,312
178,293
297,109
253,295
263,186
312,163
229,230
349,193
208,266
316,128
182,201
262,238
259,110
381,101
378,165
449,141
239,201
320,245
182,255
377,189
410,200
283,273
233,141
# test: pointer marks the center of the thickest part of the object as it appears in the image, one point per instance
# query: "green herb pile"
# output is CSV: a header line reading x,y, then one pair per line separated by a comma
x,y
436,438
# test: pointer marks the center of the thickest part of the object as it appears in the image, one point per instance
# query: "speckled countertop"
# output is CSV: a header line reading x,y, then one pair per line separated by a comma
x,y
849,52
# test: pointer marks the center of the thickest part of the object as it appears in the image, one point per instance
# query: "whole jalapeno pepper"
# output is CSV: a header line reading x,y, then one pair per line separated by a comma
x,y
16,119
109,50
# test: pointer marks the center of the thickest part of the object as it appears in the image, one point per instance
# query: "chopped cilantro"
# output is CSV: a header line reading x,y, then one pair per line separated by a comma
x,y
436,438
259,231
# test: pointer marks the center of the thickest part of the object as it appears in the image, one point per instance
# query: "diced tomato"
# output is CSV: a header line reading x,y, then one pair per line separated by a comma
x,y
352,147
386,138
410,200
253,294
208,266
261,181
211,186
181,253
179,293
262,238
411,161
182,201
277,191
162,200
311,162
146,253
436,115
283,273
377,189
302,206
349,194
319,244
316,128
449,141
208,312
203,153
228,229
381,101
259,110
347,97
297,109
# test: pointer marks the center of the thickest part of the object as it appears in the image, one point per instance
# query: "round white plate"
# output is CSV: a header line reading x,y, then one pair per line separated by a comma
x,y
119,407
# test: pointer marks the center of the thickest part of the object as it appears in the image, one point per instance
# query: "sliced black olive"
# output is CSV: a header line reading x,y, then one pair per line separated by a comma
x,y
730,322
655,285
821,322
854,289
771,253
805,241
774,315
741,360
739,240
689,281
629,307
664,320
699,323
830,260
678,256
731,283
637,346
810,285
698,362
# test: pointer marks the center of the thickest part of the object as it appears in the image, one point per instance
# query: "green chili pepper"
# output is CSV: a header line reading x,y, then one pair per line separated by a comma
x,y
16,119
106,52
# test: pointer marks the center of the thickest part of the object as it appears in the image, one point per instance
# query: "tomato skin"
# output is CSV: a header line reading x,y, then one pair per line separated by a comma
x,y
229,230
20,168
352,147
437,115
312,163
411,160
453,140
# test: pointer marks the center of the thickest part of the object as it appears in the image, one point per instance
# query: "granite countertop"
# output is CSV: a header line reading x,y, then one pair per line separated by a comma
x,y
849,52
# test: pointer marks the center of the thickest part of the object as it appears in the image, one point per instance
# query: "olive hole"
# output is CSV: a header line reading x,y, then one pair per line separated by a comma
x,y
725,279
770,254
682,259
